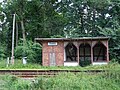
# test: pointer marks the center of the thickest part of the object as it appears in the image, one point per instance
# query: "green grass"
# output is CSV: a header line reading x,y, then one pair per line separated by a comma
x,y
66,81
81,81
18,65
10,82
109,80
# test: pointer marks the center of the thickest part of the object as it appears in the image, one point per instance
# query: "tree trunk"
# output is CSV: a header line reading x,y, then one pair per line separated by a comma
x,y
16,34
23,31
24,38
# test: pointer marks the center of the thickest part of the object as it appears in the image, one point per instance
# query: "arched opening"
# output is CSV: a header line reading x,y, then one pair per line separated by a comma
x,y
99,52
71,53
84,54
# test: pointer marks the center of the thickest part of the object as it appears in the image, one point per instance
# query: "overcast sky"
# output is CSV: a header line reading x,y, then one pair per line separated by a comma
x,y
1,0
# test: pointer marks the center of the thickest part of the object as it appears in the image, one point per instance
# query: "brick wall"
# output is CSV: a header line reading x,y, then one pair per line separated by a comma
x,y
58,50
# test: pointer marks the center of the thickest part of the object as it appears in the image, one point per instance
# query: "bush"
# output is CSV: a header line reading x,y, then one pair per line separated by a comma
x,y
114,42
32,51
86,62
2,52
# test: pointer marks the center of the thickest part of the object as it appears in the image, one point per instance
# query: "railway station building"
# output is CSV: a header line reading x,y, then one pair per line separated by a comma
x,y
74,51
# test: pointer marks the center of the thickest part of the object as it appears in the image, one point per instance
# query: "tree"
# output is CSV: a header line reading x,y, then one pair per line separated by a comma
x,y
66,18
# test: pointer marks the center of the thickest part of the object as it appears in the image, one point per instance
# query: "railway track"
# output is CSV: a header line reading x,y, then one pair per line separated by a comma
x,y
35,73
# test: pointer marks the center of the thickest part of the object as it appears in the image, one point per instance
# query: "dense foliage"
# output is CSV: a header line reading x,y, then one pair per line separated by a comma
x,y
64,18
32,51
2,52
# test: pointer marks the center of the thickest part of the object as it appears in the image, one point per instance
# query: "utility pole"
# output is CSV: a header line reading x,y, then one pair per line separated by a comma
x,y
13,32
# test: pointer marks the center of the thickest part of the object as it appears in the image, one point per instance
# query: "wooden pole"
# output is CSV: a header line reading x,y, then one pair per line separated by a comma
x,y
13,32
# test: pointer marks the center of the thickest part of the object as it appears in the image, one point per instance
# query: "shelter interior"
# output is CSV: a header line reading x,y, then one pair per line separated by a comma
x,y
83,53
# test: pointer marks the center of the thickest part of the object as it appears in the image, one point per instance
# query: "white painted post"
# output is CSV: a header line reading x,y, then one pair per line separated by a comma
x,y
24,60
8,61
12,57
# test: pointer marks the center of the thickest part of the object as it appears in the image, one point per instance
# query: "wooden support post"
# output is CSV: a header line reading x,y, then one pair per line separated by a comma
x,y
107,51
91,52
78,54
84,51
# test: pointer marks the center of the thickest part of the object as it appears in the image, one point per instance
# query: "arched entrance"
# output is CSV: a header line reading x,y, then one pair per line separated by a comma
x,y
99,53
84,54
71,53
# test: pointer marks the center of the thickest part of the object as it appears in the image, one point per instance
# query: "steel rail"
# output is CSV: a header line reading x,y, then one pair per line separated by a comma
x,y
35,73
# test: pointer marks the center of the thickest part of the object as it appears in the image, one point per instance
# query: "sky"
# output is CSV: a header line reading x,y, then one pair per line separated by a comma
x,y
1,0
59,0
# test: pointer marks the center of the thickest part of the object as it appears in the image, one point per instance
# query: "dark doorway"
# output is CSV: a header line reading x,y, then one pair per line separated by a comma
x,y
71,53
99,52
85,54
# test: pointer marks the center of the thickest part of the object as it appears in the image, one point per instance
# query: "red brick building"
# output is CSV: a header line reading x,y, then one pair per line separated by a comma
x,y
74,51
